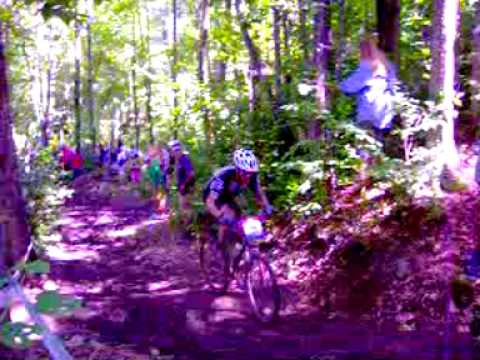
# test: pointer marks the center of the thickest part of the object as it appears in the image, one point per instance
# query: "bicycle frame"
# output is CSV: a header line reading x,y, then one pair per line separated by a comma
x,y
250,230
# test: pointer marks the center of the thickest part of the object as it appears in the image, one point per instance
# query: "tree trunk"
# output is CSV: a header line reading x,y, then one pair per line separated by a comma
x,y
34,86
221,66
134,82
202,70
46,115
278,61
255,66
114,124
286,25
341,41
174,70
14,234
78,54
302,8
148,80
45,121
443,71
476,64
91,104
388,26
321,57
203,48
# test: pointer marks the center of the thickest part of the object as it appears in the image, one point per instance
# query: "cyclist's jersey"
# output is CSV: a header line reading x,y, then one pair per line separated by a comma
x,y
224,186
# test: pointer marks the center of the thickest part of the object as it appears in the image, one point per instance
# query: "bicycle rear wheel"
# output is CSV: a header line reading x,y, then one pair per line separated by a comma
x,y
214,264
263,291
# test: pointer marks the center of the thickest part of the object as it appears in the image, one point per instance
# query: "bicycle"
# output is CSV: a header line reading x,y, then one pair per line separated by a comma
x,y
249,267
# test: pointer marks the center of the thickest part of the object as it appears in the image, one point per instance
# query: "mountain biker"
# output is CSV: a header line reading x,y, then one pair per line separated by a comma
x,y
227,183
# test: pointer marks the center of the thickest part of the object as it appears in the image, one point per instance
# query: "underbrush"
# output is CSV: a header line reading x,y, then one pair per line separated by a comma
x,y
44,195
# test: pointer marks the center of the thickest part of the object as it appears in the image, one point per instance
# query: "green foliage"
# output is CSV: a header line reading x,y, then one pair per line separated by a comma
x,y
18,334
51,302
35,267
43,191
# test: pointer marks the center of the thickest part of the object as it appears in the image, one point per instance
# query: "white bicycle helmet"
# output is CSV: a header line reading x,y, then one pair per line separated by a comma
x,y
175,145
245,160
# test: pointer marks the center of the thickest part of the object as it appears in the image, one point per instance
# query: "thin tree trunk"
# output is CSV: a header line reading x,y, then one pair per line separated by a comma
x,y
35,98
203,48
278,61
174,69
221,66
46,114
322,42
302,8
14,234
114,121
202,59
91,101
443,71
45,121
476,64
148,80
78,53
341,41
134,82
255,65
388,26
286,25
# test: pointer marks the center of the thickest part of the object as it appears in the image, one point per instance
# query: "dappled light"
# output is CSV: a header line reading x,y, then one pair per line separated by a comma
x,y
66,253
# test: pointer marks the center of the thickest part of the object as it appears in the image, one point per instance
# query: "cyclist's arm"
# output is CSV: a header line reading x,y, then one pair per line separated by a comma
x,y
212,207
260,195
215,189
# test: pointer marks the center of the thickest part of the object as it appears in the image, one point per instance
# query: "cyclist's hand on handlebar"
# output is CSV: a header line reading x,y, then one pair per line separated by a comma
x,y
226,221
267,210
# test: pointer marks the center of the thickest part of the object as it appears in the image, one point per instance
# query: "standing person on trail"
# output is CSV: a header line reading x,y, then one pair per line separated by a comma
x,y
77,164
227,183
66,157
373,84
185,175
165,166
155,176
136,169
122,158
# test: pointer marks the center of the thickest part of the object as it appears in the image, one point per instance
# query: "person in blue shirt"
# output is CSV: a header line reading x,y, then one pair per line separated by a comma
x,y
185,176
373,85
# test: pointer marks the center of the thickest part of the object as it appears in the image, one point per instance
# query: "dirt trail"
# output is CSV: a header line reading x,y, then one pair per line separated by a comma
x,y
144,298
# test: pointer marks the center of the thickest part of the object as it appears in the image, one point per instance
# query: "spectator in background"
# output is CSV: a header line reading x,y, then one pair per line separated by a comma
x,y
373,85
66,157
136,169
77,164
166,166
185,176
155,176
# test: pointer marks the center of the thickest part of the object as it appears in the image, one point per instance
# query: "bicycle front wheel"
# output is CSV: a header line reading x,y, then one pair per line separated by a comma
x,y
263,291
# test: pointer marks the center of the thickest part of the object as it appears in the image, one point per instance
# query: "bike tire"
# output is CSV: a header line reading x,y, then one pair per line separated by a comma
x,y
214,265
264,295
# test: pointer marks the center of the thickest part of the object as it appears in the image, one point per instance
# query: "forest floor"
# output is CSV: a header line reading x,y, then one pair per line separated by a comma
x,y
361,281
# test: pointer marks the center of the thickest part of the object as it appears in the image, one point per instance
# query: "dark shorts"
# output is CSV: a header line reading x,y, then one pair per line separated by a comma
x,y
188,188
